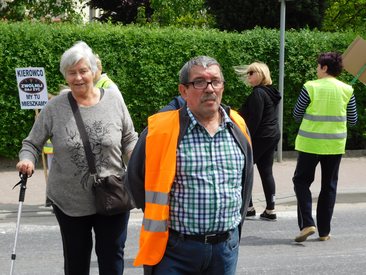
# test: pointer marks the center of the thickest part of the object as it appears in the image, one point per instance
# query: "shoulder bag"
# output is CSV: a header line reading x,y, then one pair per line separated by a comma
x,y
111,193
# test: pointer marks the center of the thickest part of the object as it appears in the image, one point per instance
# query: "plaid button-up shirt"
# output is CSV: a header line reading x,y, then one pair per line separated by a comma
x,y
206,192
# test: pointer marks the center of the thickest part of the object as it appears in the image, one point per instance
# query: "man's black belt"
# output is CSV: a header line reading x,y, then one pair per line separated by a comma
x,y
209,238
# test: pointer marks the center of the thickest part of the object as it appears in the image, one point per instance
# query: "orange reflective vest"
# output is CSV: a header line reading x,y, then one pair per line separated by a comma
x,y
161,147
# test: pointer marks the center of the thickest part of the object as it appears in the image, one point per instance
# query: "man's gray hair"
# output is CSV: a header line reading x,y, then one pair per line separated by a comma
x,y
202,61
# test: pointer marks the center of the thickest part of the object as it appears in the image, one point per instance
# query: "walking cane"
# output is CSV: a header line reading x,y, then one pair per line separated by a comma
x,y
22,183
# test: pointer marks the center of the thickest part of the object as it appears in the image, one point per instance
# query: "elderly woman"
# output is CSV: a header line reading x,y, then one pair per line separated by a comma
x,y
70,186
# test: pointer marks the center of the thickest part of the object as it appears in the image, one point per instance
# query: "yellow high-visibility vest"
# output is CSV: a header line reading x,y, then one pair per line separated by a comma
x,y
323,129
48,147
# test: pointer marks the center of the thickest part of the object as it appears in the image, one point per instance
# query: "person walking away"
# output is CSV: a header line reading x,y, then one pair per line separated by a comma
x,y
176,103
191,173
260,111
70,186
324,107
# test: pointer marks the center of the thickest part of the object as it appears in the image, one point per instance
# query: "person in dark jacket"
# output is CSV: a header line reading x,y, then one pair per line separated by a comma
x,y
261,115
175,104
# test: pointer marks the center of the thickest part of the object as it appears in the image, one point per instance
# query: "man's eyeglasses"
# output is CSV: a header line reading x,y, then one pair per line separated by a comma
x,y
203,84
251,72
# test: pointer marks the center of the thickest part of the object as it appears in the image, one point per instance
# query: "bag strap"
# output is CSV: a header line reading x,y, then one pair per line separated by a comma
x,y
84,136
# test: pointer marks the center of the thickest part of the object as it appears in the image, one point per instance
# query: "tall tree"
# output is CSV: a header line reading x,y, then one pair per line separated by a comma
x,y
180,13
161,12
124,11
44,10
345,14
238,15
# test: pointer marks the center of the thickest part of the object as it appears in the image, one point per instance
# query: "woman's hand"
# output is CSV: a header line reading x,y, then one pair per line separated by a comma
x,y
25,167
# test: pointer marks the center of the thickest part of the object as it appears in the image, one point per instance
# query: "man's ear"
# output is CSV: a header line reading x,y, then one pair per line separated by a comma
x,y
183,90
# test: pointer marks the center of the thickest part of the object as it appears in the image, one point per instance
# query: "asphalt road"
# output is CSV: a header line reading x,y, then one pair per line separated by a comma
x,y
266,247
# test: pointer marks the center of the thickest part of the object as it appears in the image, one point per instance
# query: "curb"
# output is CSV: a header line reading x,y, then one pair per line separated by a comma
x,y
285,200
9,164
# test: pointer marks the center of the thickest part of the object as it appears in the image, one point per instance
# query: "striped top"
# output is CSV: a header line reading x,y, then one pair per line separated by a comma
x,y
303,102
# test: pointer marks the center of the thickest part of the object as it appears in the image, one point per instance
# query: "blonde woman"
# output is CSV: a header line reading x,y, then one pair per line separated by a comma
x,y
261,115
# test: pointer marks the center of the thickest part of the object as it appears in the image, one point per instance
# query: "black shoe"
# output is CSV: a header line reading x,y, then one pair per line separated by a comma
x,y
251,212
268,217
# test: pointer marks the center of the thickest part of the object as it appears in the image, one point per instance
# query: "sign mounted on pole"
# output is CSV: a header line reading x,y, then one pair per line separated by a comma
x,y
32,87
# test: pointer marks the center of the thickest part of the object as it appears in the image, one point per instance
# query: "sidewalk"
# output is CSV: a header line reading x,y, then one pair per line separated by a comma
x,y
351,183
351,186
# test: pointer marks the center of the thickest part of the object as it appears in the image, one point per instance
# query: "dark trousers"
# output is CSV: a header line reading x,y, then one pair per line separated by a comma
x,y
304,177
263,155
110,236
183,257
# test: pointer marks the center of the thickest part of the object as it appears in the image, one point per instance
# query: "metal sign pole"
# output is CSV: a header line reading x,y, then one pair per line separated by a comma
x,y
281,76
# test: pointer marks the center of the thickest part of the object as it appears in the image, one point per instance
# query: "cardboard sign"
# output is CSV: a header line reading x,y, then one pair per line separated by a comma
x,y
32,87
354,59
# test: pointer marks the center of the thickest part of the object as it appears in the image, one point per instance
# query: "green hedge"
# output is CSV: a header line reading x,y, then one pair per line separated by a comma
x,y
144,62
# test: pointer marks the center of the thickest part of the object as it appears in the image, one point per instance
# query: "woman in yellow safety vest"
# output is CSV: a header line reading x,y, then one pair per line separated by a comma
x,y
324,107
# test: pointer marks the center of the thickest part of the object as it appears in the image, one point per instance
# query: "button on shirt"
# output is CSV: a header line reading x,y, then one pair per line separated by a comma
x,y
206,192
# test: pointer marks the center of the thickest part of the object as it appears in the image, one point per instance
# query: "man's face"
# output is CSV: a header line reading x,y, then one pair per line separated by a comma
x,y
203,102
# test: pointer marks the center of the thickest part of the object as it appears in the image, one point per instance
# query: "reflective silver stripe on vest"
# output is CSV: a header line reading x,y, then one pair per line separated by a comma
x,y
325,118
155,226
322,136
156,197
